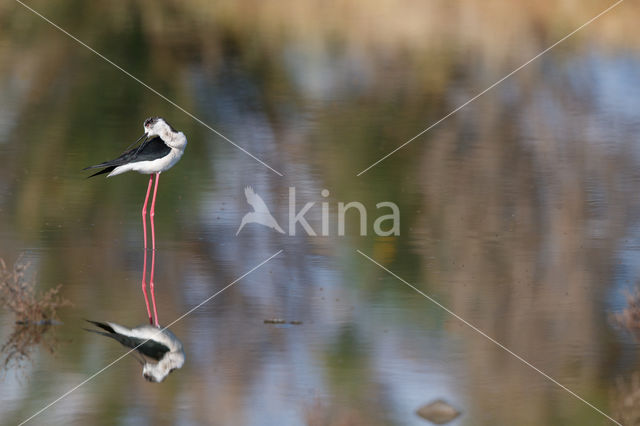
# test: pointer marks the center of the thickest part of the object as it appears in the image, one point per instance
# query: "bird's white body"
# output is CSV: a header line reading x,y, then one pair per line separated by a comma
x,y
150,332
149,167
177,141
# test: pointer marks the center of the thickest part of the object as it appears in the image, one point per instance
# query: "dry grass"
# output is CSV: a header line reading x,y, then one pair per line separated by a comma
x,y
34,314
19,296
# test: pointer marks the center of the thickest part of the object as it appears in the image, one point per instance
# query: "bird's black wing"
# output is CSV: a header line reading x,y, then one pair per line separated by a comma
x,y
102,325
149,150
146,347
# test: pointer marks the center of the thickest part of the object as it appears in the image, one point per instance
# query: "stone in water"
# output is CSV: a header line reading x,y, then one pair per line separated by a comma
x,y
438,412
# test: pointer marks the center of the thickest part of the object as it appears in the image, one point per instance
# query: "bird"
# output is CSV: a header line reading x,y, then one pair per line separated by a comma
x,y
161,148
160,345
260,213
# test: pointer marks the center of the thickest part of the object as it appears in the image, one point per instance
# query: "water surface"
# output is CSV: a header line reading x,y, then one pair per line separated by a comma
x,y
518,213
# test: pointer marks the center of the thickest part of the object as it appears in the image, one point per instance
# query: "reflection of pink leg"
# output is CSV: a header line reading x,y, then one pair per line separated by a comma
x,y
144,269
153,245
144,287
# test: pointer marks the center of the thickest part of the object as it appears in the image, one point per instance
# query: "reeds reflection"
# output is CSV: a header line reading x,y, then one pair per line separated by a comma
x,y
34,315
24,340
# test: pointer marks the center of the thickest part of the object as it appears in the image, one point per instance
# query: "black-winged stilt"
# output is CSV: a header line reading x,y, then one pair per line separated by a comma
x,y
160,345
161,148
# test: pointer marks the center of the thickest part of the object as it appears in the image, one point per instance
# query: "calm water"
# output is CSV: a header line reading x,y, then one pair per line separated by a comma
x,y
519,213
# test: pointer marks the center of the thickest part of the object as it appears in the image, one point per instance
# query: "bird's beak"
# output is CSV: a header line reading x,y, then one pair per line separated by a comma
x,y
144,142
138,140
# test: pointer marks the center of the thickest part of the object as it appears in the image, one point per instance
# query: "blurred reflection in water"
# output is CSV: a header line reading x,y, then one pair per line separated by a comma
x,y
161,345
23,341
34,314
520,213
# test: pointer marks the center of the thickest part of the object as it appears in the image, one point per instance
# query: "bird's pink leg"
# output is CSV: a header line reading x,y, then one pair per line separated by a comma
x,y
153,250
144,268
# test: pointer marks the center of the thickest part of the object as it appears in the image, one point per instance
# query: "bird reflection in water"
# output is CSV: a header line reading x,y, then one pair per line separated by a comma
x,y
154,343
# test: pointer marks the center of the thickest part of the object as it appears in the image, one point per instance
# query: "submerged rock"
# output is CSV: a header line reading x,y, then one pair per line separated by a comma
x,y
438,412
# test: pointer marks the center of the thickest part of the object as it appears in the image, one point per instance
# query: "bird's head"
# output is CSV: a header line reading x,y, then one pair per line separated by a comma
x,y
155,126
156,373
152,375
